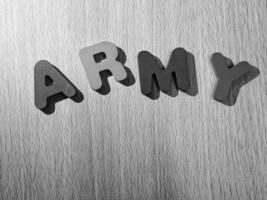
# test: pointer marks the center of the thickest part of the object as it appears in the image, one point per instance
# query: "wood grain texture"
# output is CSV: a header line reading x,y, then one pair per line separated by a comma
x,y
124,145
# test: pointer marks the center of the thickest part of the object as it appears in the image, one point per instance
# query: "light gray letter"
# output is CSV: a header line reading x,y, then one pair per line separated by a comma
x,y
101,57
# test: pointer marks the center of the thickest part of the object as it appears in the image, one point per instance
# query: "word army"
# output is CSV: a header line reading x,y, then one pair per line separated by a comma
x,y
105,59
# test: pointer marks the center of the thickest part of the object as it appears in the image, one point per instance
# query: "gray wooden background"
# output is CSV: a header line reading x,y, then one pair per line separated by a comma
x,y
124,145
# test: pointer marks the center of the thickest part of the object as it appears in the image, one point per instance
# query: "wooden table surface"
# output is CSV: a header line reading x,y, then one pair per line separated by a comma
x,y
125,145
